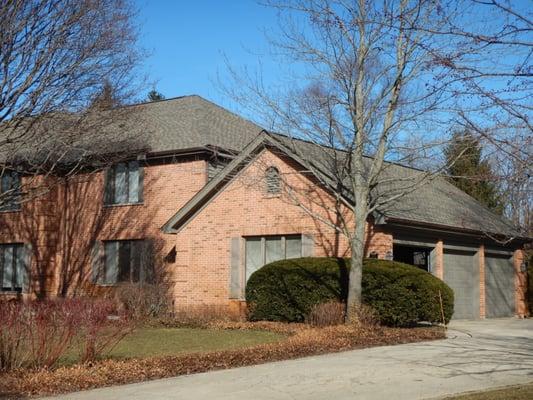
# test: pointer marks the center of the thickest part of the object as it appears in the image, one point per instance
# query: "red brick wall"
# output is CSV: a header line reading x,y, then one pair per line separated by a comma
x,y
63,224
244,209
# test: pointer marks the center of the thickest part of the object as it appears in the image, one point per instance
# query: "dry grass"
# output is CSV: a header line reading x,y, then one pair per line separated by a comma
x,y
522,392
303,341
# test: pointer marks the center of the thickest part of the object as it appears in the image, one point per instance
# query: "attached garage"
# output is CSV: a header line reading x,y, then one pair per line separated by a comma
x,y
499,285
461,273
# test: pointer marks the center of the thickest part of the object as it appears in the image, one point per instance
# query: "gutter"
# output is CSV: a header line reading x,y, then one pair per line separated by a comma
x,y
452,229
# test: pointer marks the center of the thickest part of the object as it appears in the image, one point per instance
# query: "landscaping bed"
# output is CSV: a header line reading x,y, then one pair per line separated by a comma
x,y
287,341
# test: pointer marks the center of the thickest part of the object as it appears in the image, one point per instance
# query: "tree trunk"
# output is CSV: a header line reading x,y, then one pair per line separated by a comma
x,y
357,246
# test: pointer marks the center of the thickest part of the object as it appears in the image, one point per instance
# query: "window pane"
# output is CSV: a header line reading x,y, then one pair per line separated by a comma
x,y
121,192
293,245
273,180
253,256
8,268
111,262
6,182
133,184
124,262
273,250
136,253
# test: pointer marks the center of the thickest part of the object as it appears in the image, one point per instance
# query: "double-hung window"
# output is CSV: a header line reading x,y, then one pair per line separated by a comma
x,y
125,261
12,267
124,183
261,250
9,191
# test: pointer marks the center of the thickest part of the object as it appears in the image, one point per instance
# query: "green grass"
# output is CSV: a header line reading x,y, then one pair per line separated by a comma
x,y
151,342
523,392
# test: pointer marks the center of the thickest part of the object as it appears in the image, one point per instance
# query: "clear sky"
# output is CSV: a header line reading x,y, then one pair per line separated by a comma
x,y
189,40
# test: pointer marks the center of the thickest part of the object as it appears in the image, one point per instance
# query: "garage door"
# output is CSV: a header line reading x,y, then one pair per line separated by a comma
x,y
461,274
499,286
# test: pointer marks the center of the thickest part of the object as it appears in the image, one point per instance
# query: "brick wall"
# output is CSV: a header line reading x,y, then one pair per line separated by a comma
x,y
244,208
63,224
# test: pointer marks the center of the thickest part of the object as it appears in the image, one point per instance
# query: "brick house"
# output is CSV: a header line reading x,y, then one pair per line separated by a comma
x,y
208,204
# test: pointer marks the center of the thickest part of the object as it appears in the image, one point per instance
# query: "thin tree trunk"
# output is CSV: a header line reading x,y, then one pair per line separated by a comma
x,y
357,246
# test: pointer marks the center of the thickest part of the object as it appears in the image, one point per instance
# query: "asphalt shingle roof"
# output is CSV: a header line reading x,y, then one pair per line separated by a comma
x,y
191,122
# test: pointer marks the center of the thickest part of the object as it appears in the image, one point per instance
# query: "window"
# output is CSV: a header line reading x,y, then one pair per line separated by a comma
x,y
272,180
12,267
10,191
124,184
125,261
264,250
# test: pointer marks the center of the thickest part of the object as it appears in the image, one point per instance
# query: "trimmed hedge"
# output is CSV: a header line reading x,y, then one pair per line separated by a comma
x,y
401,294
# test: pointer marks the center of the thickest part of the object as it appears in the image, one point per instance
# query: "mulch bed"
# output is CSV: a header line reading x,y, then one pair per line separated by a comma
x,y
303,341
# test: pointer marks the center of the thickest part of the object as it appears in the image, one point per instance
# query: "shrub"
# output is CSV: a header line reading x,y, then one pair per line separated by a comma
x,y
36,334
404,295
145,301
102,325
327,314
401,295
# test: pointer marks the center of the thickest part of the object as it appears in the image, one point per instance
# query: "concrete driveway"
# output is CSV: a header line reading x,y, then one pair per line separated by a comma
x,y
476,356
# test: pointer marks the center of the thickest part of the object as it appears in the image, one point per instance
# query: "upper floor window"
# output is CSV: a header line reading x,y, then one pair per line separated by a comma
x,y
272,180
9,191
123,261
12,267
124,183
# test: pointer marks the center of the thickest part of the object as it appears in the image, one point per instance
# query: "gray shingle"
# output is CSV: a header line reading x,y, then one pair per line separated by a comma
x,y
192,122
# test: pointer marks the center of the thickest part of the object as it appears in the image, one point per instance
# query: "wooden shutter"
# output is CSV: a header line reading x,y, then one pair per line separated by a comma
x,y
235,286
27,254
110,263
308,245
109,185
97,273
8,267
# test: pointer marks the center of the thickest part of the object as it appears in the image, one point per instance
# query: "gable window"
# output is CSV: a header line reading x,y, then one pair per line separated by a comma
x,y
272,180
124,183
10,191
263,250
12,266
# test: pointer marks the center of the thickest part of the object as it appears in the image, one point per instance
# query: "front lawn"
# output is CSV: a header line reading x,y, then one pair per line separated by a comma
x,y
524,392
154,353
156,342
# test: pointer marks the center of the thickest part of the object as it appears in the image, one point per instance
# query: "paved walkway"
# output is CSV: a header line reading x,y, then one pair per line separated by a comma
x,y
477,355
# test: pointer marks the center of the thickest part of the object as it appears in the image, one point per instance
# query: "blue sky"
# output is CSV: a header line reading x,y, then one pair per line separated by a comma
x,y
188,40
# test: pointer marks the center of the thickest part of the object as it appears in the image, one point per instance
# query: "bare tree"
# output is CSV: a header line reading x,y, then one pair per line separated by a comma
x,y
56,56
369,83
493,95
